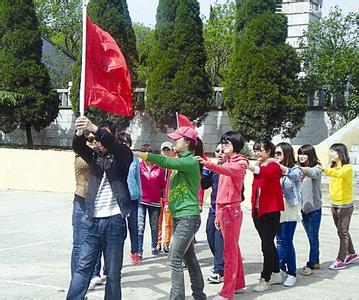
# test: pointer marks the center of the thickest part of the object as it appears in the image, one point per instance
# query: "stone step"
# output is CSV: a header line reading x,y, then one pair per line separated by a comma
x,y
354,148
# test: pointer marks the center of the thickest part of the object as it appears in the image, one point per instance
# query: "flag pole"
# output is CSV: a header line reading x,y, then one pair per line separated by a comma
x,y
83,59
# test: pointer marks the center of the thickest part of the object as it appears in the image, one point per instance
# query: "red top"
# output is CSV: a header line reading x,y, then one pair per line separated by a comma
x,y
231,179
267,185
153,183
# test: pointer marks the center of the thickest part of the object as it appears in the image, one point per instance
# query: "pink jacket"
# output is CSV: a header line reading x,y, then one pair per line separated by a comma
x,y
153,184
231,179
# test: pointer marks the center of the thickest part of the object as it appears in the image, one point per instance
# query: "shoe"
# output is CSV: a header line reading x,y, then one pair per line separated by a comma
x,y
135,258
159,248
94,281
166,249
290,281
306,271
184,266
316,266
351,258
276,278
215,278
155,251
337,265
218,297
261,286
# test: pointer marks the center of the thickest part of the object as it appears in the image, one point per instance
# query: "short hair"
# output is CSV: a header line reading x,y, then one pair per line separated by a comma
x,y
235,138
288,154
124,138
309,150
266,145
343,154
107,124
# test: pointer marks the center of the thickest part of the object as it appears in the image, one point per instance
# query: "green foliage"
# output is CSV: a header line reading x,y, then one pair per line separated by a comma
x,y
178,80
261,87
219,43
331,60
21,70
60,21
113,17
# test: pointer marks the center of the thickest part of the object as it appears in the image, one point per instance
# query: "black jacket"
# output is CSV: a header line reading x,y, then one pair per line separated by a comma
x,y
115,163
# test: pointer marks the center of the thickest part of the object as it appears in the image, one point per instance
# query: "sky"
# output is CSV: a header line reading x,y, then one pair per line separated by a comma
x,y
144,11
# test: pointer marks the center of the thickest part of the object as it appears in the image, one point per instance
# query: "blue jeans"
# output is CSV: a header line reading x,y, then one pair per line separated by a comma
x,y
132,223
311,222
285,247
182,249
108,234
153,213
215,242
78,212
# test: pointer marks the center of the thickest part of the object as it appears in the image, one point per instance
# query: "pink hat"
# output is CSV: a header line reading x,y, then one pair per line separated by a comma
x,y
184,131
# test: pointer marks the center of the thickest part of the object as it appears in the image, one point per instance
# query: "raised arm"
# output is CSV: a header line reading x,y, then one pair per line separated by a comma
x,y
234,169
339,173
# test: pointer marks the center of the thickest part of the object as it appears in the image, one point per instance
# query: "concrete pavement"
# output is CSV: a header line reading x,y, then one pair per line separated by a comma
x,y
35,246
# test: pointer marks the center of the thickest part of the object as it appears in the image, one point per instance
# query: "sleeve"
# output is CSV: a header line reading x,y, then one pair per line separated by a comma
x,y
138,177
79,146
80,163
314,172
269,170
233,169
184,164
121,151
339,173
206,180
294,174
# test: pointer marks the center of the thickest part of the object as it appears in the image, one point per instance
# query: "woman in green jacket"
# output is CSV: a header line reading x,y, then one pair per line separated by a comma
x,y
184,206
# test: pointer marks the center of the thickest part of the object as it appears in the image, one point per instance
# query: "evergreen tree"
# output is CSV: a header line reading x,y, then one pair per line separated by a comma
x,y
113,17
21,71
178,80
262,88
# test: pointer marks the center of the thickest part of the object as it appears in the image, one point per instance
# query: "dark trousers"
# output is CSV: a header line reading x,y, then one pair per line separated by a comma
x,y
132,223
108,234
215,242
267,226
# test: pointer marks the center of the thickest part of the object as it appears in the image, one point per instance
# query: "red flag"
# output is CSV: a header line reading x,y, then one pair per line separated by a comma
x,y
182,120
108,82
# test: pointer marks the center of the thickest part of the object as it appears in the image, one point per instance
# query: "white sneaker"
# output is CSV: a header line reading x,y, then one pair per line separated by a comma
x,y
261,286
276,278
94,281
218,297
290,281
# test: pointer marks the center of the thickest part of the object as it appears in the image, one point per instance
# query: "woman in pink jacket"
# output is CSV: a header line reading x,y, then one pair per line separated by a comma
x,y
228,210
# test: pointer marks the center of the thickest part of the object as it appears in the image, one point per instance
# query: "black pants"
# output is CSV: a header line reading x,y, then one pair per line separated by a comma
x,y
267,226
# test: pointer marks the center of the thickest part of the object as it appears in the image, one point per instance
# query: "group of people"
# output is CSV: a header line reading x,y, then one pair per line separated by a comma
x,y
116,186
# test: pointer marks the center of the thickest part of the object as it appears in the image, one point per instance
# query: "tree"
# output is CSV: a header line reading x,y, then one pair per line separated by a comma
x,y
261,87
178,80
331,60
21,72
113,17
219,43
60,21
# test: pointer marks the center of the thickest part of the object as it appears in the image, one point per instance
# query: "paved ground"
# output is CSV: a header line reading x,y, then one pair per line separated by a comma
x,y
35,244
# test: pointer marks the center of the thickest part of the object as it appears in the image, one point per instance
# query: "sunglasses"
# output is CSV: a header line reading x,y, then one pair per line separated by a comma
x,y
91,139
220,151
278,153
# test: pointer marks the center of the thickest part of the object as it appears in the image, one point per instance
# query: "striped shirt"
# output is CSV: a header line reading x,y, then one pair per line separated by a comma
x,y
105,203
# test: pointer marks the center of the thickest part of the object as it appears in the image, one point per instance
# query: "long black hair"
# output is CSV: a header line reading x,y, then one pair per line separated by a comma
x,y
288,154
308,150
343,154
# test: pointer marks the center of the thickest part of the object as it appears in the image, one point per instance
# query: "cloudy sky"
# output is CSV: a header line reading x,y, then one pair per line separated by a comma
x,y
144,11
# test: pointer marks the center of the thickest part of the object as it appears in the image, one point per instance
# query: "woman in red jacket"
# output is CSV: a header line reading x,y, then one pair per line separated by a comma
x,y
228,210
267,203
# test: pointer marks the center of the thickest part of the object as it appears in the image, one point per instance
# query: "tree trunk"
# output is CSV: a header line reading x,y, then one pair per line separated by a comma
x,y
29,136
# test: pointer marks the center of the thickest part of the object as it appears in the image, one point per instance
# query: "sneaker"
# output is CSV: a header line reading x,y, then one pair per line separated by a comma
x,y
306,271
290,281
184,266
337,265
215,278
166,249
316,266
94,281
261,286
155,251
159,248
219,297
135,258
276,278
351,258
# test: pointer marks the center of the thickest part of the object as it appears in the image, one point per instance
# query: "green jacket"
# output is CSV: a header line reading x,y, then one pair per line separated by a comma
x,y
184,183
